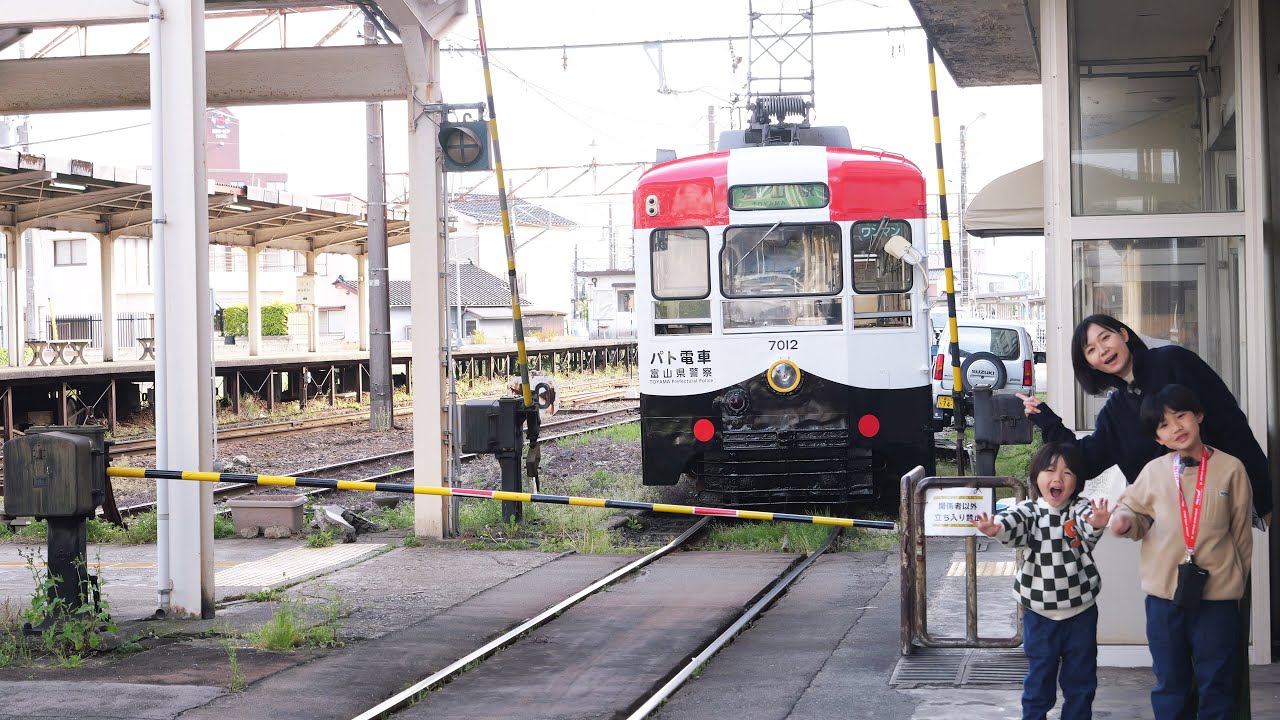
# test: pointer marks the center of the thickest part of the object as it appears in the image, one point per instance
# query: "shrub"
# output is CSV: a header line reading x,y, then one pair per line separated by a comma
x,y
235,320
275,319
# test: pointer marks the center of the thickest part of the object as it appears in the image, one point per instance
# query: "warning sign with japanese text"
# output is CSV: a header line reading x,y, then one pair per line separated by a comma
x,y
950,512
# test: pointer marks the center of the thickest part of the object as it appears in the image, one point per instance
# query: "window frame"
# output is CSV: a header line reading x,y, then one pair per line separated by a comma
x,y
839,264
84,251
853,277
706,238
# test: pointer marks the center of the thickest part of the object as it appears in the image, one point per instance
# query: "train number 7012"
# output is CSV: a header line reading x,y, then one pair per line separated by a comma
x,y
784,344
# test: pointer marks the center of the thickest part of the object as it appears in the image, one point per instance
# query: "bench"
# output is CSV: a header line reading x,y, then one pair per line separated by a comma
x,y
37,352
60,348
148,345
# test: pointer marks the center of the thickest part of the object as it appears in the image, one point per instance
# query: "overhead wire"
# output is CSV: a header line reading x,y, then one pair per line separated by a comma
x,y
75,137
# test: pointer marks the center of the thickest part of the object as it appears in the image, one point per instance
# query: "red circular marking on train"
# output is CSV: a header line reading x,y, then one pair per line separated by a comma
x,y
869,425
703,430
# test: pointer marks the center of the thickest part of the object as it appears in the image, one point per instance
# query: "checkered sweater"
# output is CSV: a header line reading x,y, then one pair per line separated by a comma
x,y
1057,572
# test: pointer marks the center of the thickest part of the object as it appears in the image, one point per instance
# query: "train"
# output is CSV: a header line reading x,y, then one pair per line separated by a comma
x,y
782,324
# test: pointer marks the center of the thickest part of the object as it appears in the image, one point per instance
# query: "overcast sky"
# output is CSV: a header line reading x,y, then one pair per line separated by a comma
x,y
566,107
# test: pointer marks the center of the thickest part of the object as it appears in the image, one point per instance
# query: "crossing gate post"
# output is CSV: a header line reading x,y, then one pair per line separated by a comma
x,y
913,566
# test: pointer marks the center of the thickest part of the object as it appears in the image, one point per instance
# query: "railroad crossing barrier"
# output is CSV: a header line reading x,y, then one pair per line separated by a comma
x,y
288,481
914,605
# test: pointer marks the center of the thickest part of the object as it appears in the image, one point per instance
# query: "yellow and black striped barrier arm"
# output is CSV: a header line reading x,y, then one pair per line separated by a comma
x,y
517,320
953,333
288,481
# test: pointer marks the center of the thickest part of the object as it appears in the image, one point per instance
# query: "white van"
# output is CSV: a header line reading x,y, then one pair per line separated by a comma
x,y
998,354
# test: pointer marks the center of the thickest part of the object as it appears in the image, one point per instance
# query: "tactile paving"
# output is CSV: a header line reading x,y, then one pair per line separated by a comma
x,y
293,564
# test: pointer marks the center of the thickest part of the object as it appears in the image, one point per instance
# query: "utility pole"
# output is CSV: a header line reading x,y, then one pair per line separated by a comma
x,y
711,128
612,253
965,291
381,405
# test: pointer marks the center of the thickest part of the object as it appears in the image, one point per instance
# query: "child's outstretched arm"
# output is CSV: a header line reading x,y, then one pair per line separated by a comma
x,y
987,524
1011,527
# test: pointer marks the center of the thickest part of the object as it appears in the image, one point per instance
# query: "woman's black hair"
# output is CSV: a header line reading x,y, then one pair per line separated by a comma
x,y
1093,381
1178,398
1043,460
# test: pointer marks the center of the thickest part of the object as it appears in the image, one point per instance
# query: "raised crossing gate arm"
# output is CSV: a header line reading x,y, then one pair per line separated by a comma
x,y
913,567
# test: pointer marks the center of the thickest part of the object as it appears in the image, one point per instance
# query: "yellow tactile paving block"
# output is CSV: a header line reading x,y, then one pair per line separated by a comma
x,y
985,569
292,564
136,565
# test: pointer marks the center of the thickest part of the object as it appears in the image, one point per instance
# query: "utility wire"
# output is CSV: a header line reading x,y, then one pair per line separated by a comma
x,y
74,137
673,41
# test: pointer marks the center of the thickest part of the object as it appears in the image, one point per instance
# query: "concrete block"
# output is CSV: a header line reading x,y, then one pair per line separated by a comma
x,y
263,511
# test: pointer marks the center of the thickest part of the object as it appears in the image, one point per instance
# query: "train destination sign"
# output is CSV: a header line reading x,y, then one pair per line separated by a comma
x,y
789,196
950,512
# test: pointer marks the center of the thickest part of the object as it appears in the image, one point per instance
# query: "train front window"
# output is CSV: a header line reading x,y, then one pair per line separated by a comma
x,y
680,261
781,260
881,282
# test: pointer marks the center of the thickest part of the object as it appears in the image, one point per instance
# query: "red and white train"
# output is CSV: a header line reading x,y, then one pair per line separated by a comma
x,y
782,326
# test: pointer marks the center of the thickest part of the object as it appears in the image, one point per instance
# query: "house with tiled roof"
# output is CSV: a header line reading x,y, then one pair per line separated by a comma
x,y
485,305
544,242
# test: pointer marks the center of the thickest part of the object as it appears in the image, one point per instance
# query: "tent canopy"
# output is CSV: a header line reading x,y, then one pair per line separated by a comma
x,y
1012,204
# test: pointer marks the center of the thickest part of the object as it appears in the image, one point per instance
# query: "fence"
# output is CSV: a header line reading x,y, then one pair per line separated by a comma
x,y
129,327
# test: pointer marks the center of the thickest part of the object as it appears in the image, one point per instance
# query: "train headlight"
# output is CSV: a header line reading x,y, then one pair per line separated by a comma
x,y
784,376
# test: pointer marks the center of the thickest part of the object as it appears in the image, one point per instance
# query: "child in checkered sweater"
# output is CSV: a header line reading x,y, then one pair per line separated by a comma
x,y
1057,583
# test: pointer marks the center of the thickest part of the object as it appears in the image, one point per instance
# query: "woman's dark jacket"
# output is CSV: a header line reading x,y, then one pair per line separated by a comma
x,y
1120,439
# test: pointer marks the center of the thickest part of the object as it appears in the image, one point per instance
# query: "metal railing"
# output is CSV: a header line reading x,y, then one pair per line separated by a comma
x,y
914,606
129,327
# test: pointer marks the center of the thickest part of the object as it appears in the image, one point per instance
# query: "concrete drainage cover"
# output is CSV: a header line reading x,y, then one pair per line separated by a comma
x,y
973,667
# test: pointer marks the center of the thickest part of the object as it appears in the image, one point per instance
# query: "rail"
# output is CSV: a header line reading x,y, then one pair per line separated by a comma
x,y
912,558
667,690
410,694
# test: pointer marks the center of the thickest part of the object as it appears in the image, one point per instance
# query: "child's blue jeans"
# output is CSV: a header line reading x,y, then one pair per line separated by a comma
x,y
1193,649
1060,652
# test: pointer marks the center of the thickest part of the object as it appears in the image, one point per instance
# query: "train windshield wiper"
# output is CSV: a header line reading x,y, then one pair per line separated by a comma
x,y
759,242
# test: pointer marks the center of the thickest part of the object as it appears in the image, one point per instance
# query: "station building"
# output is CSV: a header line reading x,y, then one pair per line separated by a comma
x,y
1156,204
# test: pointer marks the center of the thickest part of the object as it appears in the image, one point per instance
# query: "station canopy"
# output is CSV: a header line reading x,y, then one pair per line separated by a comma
x,y
81,196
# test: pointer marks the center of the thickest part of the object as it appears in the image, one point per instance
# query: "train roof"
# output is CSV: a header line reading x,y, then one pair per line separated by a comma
x,y
863,183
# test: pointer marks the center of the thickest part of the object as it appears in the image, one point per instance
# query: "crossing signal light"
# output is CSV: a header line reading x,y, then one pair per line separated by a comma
x,y
465,146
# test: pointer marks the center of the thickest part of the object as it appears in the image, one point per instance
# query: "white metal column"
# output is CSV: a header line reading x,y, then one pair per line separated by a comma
x,y
422,55
313,319
106,257
183,323
255,304
1261,358
13,300
362,298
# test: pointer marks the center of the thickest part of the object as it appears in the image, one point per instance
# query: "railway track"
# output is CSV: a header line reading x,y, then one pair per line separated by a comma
x,y
142,446
587,661
388,464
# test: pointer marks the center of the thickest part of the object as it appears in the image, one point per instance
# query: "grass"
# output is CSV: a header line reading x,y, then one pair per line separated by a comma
x,y
320,539
399,517
766,537
556,528
289,627
625,433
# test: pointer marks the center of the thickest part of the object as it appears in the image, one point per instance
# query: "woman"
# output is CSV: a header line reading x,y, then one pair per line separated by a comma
x,y
1106,353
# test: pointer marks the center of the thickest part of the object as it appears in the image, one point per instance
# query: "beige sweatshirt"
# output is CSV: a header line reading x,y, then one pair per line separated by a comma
x,y
1224,544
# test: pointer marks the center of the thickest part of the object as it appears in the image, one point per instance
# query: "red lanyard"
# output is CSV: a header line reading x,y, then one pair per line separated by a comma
x,y
1190,525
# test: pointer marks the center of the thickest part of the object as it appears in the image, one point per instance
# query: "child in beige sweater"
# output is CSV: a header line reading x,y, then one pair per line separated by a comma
x,y
1192,511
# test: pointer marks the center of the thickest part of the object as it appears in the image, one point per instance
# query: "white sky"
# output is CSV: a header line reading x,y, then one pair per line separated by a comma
x,y
601,103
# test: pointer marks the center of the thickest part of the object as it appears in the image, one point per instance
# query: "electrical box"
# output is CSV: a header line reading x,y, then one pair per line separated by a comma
x,y
51,475
491,426
97,434
1004,424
